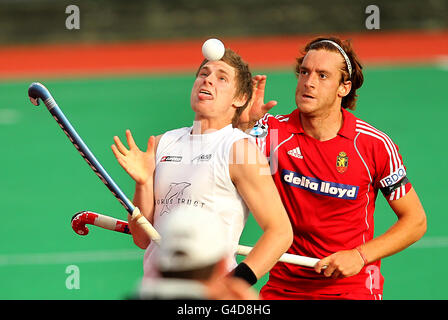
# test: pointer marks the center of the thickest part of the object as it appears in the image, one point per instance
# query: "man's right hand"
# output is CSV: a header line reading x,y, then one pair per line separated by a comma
x,y
256,108
138,164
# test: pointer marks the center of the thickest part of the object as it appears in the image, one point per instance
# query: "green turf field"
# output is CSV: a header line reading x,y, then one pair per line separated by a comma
x,y
44,181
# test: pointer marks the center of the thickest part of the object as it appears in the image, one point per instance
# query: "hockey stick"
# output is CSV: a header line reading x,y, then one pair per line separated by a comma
x,y
38,91
82,218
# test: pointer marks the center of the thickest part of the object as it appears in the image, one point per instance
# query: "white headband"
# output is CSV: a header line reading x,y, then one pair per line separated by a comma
x,y
347,60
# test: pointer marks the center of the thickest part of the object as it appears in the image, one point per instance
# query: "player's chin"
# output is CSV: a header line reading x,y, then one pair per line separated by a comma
x,y
306,105
202,107
196,104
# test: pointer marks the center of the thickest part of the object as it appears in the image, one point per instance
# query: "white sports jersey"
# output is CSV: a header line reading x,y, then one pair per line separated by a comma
x,y
193,170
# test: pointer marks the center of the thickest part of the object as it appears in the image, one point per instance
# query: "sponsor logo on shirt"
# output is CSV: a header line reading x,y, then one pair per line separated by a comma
x,y
393,178
326,188
171,159
295,153
175,197
176,190
202,157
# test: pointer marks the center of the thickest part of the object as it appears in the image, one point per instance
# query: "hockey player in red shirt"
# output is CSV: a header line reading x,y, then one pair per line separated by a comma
x,y
328,166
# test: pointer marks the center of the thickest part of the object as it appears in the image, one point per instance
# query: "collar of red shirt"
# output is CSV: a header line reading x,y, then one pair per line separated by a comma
x,y
294,124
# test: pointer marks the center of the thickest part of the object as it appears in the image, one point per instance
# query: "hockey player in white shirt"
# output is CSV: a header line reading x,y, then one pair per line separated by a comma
x,y
211,165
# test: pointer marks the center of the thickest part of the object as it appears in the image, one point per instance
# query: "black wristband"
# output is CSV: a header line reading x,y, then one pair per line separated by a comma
x,y
244,272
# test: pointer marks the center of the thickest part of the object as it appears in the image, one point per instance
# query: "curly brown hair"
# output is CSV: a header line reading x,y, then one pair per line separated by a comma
x,y
357,78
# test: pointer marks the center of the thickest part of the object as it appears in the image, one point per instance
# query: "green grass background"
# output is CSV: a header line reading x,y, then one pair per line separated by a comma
x,y
44,181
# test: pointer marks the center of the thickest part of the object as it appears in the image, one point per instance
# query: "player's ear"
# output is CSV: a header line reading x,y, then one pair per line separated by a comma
x,y
239,102
344,88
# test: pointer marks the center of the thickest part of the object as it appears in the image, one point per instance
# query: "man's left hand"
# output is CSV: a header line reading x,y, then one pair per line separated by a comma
x,y
341,264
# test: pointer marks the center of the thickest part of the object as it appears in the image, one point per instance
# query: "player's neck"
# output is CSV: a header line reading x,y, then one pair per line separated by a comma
x,y
323,126
203,126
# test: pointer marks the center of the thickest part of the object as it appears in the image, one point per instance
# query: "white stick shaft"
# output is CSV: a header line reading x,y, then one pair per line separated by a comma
x,y
286,257
106,222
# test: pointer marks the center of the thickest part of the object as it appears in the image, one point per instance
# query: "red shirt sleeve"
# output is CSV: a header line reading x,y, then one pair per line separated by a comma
x,y
391,176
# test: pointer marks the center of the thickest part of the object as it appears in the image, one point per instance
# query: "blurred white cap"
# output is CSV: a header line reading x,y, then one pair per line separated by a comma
x,y
191,238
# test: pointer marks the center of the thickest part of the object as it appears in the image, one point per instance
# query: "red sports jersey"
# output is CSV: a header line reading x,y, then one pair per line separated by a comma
x,y
329,190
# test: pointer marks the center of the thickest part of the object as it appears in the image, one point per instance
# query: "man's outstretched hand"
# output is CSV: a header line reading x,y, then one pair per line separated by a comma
x,y
256,108
137,163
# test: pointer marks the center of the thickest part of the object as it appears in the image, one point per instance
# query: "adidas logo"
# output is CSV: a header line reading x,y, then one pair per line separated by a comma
x,y
295,153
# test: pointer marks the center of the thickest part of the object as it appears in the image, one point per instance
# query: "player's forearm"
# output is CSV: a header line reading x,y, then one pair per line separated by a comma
x,y
409,228
144,200
401,235
268,249
141,239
